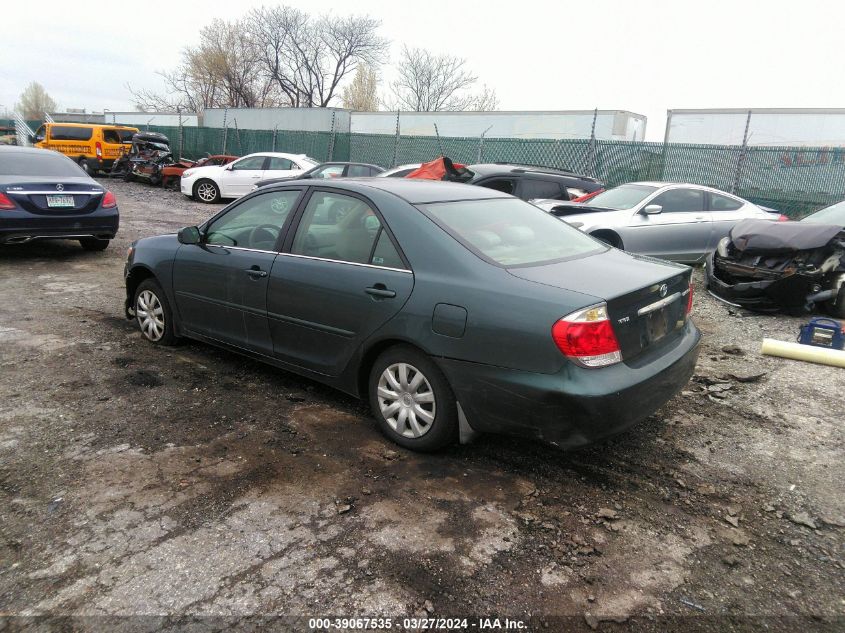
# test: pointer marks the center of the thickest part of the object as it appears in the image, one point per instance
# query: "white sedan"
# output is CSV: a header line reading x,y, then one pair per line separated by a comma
x,y
210,184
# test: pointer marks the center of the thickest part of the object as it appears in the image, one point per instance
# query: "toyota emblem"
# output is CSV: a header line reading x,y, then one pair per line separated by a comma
x,y
664,289
60,187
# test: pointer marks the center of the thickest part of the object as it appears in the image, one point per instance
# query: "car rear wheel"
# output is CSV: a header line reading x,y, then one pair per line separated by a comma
x,y
206,191
93,244
153,313
412,401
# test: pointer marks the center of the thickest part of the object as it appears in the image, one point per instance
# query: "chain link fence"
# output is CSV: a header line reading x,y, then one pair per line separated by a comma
x,y
793,180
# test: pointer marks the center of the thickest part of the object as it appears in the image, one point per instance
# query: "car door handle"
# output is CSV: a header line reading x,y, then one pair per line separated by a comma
x,y
380,291
255,272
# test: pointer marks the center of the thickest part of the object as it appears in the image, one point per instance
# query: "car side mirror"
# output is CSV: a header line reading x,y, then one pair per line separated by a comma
x,y
189,235
229,167
652,209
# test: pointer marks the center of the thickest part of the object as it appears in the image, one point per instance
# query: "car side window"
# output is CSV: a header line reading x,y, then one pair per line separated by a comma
x,y
385,253
533,188
359,171
111,136
329,171
723,203
255,223
680,200
505,185
253,162
337,226
280,164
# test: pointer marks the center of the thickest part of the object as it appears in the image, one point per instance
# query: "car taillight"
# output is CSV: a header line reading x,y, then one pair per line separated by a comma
x,y
689,300
99,149
5,203
587,337
783,218
109,200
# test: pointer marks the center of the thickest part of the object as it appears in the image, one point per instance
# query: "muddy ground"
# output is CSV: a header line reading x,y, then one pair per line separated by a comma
x,y
191,481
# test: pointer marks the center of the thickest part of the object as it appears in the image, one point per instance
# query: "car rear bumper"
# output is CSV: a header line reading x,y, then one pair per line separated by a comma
x,y
575,406
19,226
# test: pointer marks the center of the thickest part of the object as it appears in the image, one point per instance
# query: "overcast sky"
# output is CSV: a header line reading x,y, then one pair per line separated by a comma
x,y
645,56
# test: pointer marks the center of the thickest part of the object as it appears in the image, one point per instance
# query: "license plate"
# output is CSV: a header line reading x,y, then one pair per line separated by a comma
x,y
60,201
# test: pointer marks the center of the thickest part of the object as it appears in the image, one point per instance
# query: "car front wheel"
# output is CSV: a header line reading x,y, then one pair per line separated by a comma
x,y
412,401
153,313
206,191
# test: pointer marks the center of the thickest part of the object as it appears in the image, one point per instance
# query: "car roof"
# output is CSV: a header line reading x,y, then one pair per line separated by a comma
x,y
278,155
412,190
488,169
665,184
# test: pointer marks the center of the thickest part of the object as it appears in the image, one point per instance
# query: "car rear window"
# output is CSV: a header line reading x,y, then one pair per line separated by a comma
x,y
67,133
42,163
511,232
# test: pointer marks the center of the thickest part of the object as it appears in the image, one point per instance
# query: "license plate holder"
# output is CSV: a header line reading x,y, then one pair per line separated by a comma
x,y
60,202
658,324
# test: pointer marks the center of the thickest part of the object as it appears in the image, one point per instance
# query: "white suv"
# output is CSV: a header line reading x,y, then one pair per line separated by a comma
x,y
210,184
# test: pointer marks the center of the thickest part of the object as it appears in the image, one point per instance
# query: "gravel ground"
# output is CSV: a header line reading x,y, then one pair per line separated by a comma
x,y
189,481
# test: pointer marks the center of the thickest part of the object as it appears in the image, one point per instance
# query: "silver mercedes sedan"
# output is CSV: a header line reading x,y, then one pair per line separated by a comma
x,y
676,221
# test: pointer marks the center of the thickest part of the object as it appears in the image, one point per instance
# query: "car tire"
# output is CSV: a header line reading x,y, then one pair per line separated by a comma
x,y
837,306
128,176
153,313
93,244
420,413
206,191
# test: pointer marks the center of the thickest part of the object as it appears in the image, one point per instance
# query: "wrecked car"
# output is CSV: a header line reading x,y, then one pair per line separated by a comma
x,y
783,266
171,174
147,156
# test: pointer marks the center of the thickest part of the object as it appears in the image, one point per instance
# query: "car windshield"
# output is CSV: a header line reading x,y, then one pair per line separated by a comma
x,y
834,214
41,163
624,197
511,232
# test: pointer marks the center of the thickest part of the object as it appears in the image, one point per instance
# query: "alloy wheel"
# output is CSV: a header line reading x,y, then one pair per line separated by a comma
x,y
406,400
206,192
150,315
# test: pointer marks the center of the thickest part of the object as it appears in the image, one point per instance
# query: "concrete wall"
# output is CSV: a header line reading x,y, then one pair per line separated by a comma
x,y
610,124
301,119
805,127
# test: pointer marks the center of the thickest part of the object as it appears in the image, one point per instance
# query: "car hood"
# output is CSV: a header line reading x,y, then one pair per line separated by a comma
x,y
765,236
207,170
599,275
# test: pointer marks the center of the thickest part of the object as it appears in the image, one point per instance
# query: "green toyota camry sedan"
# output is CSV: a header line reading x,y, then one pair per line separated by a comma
x,y
453,309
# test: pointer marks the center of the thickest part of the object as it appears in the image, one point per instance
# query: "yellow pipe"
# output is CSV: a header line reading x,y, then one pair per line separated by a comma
x,y
810,353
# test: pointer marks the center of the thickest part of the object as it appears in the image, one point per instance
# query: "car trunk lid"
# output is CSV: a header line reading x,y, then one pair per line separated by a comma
x,y
51,197
646,298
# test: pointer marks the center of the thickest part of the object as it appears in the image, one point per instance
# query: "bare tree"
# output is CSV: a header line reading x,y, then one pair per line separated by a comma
x,y
307,59
362,93
222,70
431,83
34,102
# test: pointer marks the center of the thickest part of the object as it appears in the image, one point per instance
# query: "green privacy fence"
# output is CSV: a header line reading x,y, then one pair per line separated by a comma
x,y
793,180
